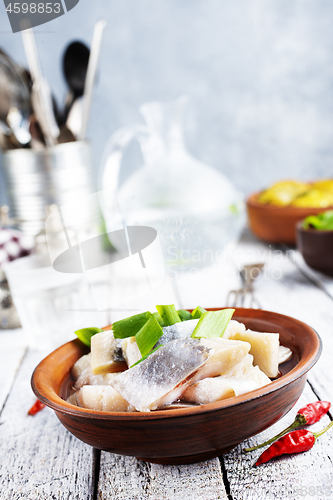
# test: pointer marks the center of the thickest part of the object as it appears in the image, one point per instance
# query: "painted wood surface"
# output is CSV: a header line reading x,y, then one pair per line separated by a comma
x,y
126,478
11,355
40,460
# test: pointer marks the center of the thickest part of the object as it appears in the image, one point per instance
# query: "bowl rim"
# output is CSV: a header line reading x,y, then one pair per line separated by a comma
x,y
312,230
252,201
60,405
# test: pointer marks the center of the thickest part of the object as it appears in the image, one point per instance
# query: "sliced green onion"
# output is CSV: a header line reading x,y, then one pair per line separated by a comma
x,y
213,324
198,312
146,356
149,334
129,327
321,222
159,319
85,334
168,314
184,315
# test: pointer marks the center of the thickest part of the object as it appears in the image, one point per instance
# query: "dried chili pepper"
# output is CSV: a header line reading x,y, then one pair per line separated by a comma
x,y
36,407
308,415
294,442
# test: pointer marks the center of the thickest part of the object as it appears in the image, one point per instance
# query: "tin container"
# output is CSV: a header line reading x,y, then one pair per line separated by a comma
x,y
38,179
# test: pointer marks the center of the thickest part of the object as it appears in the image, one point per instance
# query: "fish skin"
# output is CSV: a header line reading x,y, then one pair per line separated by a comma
x,y
186,328
177,331
163,376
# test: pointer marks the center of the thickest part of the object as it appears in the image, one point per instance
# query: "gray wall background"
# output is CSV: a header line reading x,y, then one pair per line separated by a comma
x,y
259,74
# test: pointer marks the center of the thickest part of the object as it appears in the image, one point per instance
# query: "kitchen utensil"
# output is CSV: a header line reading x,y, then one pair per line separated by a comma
x,y
75,64
74,118
91,75
7,138
184,435
248,273
15,106
41,94
36,179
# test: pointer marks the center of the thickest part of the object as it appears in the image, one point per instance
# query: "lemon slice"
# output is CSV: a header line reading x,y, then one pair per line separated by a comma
x,y
283,193
315,198
324,185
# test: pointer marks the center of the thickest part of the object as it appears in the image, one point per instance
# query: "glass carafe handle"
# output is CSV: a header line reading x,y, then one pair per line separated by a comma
x,y
113,155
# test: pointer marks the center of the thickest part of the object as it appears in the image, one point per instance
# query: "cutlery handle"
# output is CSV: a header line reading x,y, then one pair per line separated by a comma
x,y
91,75
47,121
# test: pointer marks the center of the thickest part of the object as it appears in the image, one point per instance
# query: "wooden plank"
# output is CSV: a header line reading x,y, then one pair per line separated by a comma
x,y
122,478
11,355
39,458
283,289
188,482
126,478
304,475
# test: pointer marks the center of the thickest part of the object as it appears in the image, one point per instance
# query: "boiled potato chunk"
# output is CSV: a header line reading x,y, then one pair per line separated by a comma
x,y
131,351
264,349
232,328
223,355
83,375
284,354
245,369
81,366
102,398
106,354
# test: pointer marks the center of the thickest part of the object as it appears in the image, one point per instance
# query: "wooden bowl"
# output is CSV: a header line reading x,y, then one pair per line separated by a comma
x,y
316,248
276,224
184,435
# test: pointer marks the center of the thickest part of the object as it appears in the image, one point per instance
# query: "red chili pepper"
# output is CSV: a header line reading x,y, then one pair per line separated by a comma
x,y
313,412
294,442
38,406
308,415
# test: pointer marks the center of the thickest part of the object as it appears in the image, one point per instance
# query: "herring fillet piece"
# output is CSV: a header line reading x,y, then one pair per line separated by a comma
x,y
210,390
177,331
223,355
186,328
163,376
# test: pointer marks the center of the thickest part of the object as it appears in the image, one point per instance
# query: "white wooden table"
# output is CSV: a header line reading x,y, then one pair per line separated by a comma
x,y
40,460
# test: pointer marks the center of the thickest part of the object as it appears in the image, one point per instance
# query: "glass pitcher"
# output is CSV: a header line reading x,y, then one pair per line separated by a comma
x,y
195,209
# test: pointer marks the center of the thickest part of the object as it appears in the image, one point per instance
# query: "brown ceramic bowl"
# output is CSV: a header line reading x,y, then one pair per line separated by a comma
x,y
276,224
184,435
316,248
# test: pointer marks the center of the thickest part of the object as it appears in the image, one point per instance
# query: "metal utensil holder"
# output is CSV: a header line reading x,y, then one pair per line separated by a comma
x,y
37,179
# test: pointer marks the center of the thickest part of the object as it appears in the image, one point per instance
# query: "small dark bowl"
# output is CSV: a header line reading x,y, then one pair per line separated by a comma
x,y
316,248
191,435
